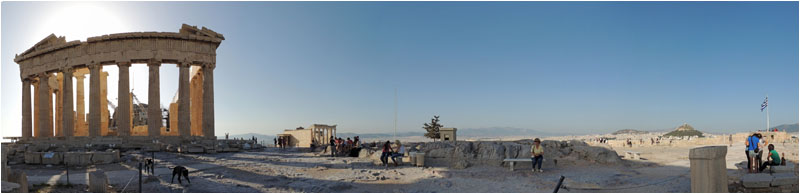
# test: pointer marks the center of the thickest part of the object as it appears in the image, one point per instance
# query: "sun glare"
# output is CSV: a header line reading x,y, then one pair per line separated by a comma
x,y
78,22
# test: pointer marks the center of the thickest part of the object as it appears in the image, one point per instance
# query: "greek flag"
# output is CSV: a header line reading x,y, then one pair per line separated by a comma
x,y
764,105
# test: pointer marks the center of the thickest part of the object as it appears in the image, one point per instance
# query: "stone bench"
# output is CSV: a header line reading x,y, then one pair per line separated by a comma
x,y
781,169
513,161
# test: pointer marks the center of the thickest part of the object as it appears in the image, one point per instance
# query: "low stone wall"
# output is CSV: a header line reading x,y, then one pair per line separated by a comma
x,y
467,153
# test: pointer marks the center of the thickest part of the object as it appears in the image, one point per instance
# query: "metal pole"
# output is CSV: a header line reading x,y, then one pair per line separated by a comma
x,y
140,177
767,99
67,166
558,186
395,113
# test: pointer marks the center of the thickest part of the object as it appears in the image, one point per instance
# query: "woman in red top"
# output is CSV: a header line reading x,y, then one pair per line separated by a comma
x,y
387,151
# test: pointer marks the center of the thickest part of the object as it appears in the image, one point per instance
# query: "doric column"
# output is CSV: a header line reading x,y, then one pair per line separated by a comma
x,y
67,123
26,108
184,124
80,105
44,105
208,100
123,101
153,100
94,100
36,108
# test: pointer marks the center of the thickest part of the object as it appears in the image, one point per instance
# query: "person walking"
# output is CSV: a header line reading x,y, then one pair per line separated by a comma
x,y
275,140
333,146
537,155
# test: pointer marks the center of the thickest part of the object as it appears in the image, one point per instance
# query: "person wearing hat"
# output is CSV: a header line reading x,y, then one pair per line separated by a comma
x,y
536,155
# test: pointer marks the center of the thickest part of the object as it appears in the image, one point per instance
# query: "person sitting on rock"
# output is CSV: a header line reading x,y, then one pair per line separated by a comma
x,y
400,152
776,159
536,155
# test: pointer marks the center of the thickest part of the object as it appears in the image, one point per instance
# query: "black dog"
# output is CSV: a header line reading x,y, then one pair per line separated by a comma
x,y
180,171
149,166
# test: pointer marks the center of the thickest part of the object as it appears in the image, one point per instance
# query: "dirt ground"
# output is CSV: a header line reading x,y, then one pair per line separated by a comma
x,y
662,169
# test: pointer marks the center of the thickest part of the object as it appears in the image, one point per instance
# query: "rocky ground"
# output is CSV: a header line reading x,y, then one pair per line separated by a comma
x,y
662,169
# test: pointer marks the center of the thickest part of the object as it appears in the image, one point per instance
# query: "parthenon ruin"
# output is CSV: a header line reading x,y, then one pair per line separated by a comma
x,y
50,65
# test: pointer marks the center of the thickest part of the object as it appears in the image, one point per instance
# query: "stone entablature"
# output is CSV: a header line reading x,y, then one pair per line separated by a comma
x,y
190,45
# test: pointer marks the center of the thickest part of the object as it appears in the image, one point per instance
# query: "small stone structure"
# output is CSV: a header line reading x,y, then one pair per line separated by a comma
x,y
305,137
447,134
707,169
98,182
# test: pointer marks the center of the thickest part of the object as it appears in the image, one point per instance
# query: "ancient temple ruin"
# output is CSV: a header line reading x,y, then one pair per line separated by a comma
x,y
50,65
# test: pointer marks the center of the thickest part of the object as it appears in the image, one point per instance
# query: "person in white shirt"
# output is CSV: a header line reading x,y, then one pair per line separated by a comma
x,y
401,150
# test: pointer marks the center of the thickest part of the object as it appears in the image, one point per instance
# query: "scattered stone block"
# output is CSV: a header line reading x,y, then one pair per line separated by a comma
x,y
98,182
33,157
19,177
77,158
105,157
707,169
51,158
782,169
9,187
195,150
786,178
756,180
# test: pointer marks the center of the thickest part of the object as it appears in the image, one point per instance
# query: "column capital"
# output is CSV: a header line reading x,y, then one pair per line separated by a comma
x,y
66,69
153,62
79,76
124,64
184,64
94,65
209,65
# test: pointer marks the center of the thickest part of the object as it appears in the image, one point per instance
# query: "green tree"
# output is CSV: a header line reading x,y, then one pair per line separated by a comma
x,y
432,128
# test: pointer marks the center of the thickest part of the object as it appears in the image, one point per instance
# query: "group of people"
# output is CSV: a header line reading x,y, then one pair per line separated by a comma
x,y
281,141
754,147
394,152
344,147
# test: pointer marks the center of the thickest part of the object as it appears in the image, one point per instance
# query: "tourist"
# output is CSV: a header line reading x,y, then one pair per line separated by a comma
x,y
349,143
333,146
401,150
776,159
752,149
357,141
536,155
387,150
276,142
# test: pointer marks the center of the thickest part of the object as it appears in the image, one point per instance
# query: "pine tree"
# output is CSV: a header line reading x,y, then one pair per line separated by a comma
x,y
432,128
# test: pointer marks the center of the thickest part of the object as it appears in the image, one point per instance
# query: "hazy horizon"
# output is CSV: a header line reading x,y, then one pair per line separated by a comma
x,y
577,67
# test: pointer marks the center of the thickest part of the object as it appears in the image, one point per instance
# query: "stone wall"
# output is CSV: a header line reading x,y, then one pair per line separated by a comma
x,y
467,153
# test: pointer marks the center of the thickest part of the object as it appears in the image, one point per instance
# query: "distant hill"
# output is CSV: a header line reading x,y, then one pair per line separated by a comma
x,y
629,131
505,132
267,138
379,135
787,127
684,130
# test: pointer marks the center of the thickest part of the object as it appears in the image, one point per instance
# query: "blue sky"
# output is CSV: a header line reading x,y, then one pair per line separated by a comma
x,y
579,67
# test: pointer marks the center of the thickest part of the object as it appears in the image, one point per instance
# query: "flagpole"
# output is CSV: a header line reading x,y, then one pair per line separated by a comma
x,y
767,112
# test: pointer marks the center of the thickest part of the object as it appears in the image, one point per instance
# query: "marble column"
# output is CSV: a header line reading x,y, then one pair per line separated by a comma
x,y
44,105
36,102
94,100
184,123
81,105
26,108
67,118
59,92
208,100
123,100
153,100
